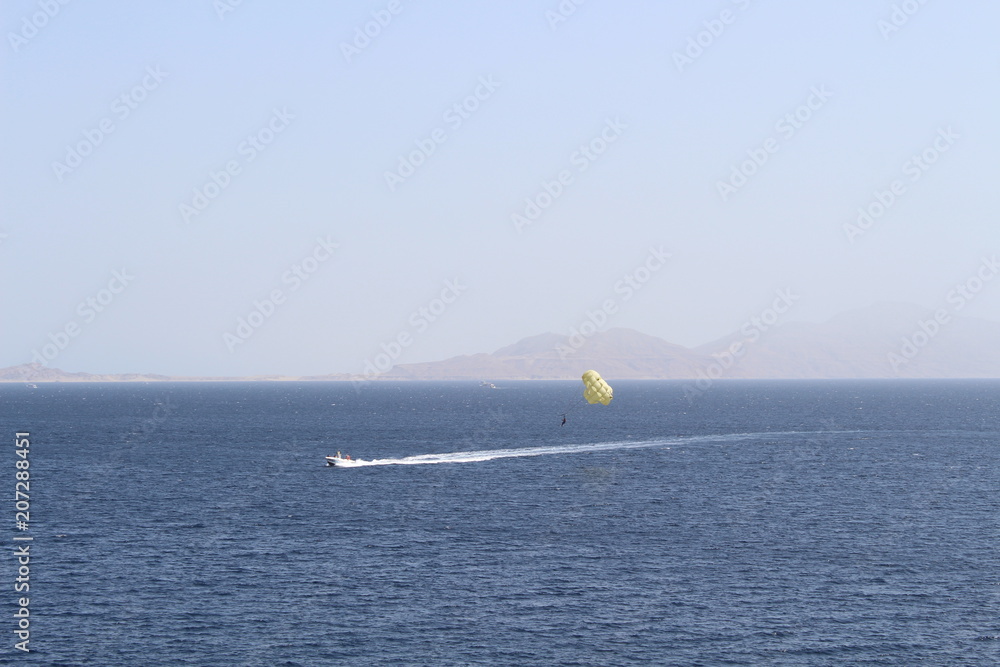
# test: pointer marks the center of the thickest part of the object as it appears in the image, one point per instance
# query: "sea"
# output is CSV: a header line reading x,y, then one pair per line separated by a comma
x,y
736,523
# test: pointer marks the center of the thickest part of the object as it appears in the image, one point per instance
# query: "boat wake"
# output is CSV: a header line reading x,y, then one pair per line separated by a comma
x,y
490,454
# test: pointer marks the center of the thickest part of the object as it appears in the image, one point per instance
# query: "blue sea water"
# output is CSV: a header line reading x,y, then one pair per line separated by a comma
x,y
761,523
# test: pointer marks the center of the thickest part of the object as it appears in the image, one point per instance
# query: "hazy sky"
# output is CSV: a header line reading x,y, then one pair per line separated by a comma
x,y
171,168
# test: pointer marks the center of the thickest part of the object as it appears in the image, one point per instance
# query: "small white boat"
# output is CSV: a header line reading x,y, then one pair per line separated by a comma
x,y
343,462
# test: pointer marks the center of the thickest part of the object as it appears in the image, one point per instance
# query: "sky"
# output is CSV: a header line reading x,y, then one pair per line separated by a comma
x,y
242,188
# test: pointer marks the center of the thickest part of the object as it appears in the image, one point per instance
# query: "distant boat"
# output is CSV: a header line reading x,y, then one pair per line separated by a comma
x,y
344,461
488,385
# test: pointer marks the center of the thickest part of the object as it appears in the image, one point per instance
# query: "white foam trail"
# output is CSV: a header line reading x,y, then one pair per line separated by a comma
x,y
490,454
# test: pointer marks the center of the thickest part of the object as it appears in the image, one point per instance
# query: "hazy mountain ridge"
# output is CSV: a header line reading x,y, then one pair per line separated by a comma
x,y
864,343
621,353
887,340
34,372
869,343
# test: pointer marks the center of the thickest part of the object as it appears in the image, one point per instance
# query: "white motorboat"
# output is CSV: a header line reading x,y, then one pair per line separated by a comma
x,y
343,461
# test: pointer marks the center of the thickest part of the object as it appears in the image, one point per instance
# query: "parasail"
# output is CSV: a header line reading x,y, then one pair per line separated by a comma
x,y
596,390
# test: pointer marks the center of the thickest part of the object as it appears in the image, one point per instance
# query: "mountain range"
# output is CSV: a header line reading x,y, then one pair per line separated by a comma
x,y
887,340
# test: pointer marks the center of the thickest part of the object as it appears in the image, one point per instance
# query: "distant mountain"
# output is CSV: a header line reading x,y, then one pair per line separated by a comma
x,y
40,373
887,340
620,353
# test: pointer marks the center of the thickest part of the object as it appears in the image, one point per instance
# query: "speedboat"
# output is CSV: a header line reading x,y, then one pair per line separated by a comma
x,y
342,462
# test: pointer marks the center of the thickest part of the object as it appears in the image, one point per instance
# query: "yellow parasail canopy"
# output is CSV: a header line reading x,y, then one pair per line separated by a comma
x,y
596,390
